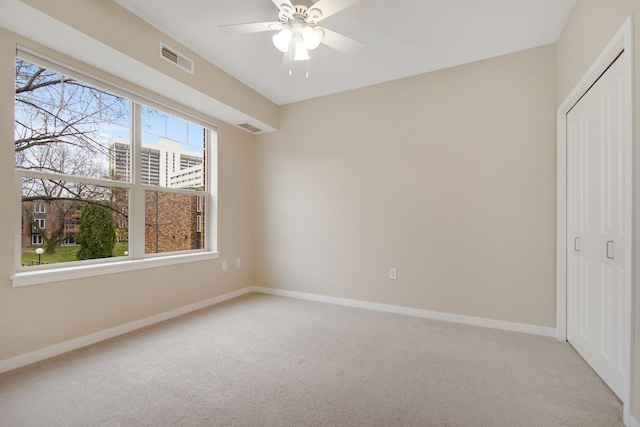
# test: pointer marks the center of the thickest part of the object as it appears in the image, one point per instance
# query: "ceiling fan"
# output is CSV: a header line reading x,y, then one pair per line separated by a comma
x,y
298,32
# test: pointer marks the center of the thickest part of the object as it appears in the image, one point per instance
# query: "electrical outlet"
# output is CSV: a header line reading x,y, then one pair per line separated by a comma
x,y
392,273
238,264
224,265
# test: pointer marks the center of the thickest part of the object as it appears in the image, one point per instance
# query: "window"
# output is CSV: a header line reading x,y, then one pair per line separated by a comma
x,y
39,207
103,182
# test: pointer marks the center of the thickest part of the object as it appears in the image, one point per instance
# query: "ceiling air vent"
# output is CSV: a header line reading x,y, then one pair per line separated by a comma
x,y
249,127
177,58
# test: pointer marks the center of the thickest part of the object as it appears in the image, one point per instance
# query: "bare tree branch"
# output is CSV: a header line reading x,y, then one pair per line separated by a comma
x,y
30,87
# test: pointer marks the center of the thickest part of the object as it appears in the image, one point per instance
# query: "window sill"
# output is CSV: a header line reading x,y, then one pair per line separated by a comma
x,y
77,272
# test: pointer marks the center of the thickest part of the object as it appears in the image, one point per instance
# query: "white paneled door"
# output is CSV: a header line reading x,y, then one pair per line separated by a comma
x,y
599,173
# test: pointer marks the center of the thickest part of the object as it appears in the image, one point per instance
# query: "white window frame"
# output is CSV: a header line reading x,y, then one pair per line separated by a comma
x,y
136,258
40,223
37,237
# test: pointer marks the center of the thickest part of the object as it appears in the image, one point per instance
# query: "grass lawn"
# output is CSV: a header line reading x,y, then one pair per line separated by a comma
x,y
63,254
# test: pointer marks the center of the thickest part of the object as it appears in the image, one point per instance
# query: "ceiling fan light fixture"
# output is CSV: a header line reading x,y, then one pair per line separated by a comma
x,y
312,37
301,53
282,39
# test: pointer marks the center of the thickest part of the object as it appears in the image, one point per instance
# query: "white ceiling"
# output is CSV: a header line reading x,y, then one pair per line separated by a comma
x,y
402,38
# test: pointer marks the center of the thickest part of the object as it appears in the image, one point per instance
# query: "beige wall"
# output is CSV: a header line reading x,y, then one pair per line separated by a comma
x,y
590,28
35,317
448,177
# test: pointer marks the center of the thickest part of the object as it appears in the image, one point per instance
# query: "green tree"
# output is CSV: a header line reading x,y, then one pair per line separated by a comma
x,y
97,232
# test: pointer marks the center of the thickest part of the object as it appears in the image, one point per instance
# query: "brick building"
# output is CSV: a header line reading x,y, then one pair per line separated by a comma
x,y
50,218
173,222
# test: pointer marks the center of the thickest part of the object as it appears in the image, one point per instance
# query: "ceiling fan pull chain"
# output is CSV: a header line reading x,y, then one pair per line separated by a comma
x,y
290,63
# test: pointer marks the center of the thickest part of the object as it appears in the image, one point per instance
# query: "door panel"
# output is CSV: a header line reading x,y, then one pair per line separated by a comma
x,y
598,226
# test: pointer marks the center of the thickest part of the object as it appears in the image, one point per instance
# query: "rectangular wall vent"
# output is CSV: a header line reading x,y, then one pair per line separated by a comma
x,y
249,127
177,58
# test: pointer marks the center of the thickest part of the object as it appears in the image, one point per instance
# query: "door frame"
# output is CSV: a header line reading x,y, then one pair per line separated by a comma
x,y
622,41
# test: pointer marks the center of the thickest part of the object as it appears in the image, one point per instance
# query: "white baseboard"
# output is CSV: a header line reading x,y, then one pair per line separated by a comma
x,y
64,347
427,314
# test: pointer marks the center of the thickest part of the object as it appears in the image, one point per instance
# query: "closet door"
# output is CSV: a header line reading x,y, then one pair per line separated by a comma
x,y
599,226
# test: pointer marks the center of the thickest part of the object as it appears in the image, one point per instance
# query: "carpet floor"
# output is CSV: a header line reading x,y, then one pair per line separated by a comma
x,y
262,360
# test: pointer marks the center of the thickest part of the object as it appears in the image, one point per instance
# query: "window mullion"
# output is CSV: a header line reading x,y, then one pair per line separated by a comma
x,y
23,173
211,186
17,228
137,200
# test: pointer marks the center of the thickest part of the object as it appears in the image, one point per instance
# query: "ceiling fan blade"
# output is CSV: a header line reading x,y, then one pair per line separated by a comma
x,y
341,43
329,7
255,27
279,3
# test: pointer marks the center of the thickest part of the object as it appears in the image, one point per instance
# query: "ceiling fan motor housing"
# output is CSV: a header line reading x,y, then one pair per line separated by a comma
x,y
299,14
